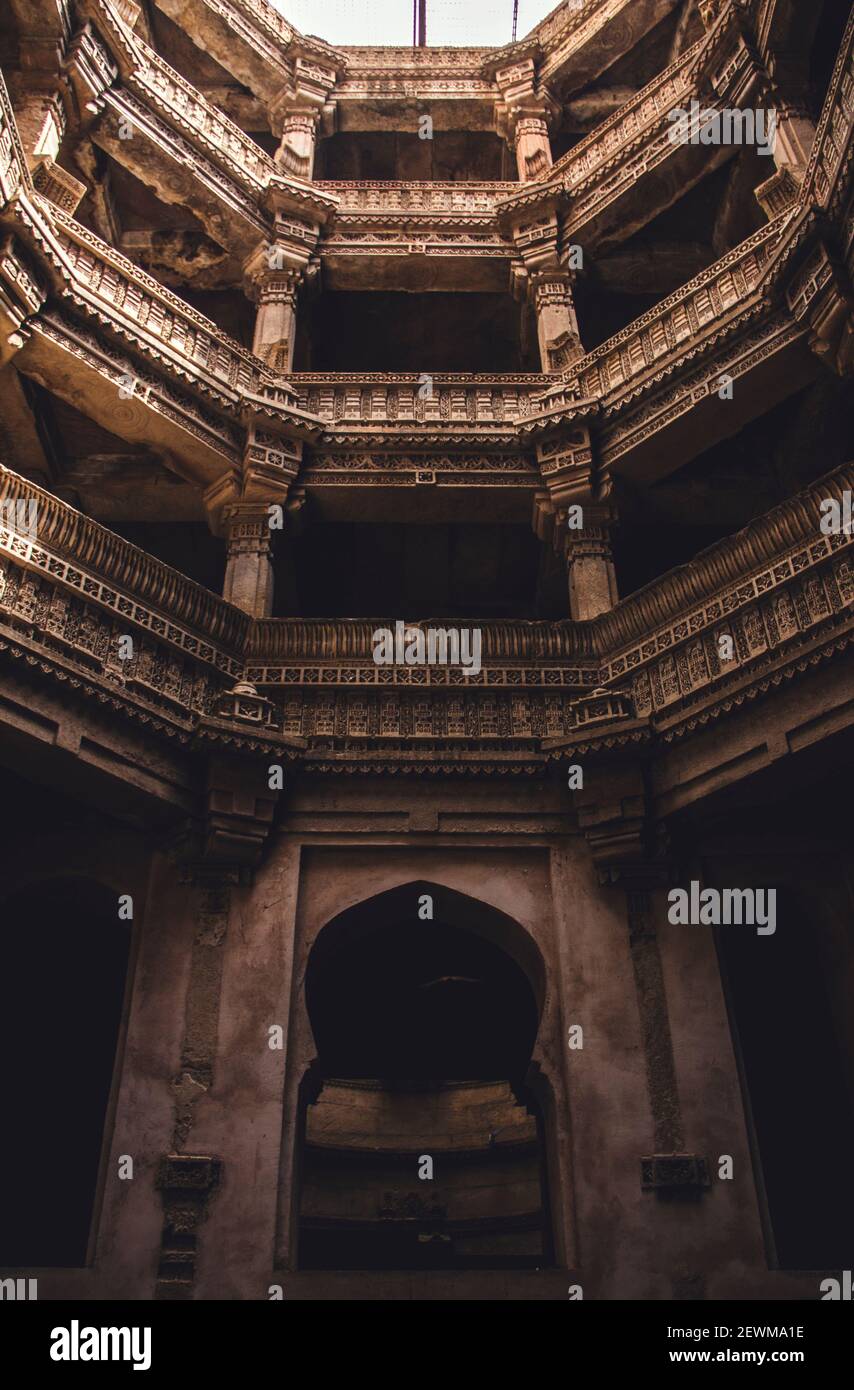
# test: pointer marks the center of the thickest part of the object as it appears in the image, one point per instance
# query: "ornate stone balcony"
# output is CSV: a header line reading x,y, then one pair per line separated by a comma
x,y
199,385
252,40
782,591
450,80
401,402
80,315
396,235
156,124
629,169
440,202
829,176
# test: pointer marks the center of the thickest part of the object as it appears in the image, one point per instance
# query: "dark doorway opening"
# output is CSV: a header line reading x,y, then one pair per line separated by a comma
x,y
62,989
800,1104
424,1031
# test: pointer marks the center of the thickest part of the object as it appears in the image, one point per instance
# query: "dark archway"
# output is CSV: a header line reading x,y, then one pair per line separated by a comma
x,y
65,957
424,1029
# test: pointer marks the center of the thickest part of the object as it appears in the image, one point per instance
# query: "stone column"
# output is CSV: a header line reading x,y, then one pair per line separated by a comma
x,y
249,565
275,294
590,565
522,114
274,272
295,114
573,512
533,147
557,325
298,141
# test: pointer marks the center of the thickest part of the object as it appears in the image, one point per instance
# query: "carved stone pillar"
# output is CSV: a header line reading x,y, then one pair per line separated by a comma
x,y
533,147
234,822
523,113
295,114
577,528
557,325
273,273
298,141
590,569
275,294
249,564
545,272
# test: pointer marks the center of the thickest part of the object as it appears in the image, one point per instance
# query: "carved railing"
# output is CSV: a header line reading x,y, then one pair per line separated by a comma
x,y
189,112
641,116
828,177
619,367
593,180
442,221
781,590
178,124
70,590
778,586
381,200
13,167
431,74
109,287
182,347
400,399
253,33
185,346
379,407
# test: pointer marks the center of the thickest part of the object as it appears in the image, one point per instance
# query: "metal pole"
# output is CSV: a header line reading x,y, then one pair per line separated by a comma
x,y
515,18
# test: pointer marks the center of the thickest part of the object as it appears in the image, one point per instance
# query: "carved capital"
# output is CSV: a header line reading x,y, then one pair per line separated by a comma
x,y
247,529
271,462
522,97
537,240
309,91
778,193
568,469
297,131
614,818
550,287
275,270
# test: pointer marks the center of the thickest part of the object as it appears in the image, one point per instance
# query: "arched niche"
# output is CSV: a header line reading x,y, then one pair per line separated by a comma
x,y
425,1006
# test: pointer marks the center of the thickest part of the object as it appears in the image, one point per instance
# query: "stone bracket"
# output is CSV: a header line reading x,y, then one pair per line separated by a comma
x,y
186,1183
239,810
672,1174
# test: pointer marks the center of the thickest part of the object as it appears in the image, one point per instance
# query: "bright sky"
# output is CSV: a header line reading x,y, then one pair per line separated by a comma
x,y
460,22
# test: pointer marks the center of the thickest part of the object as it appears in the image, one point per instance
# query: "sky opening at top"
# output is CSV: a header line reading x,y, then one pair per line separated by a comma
x,y
462,23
